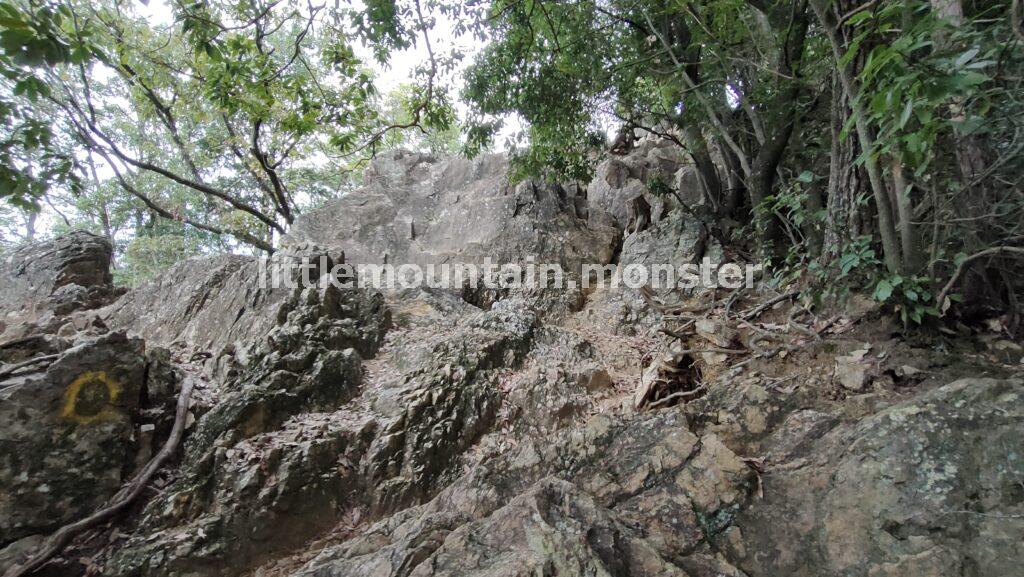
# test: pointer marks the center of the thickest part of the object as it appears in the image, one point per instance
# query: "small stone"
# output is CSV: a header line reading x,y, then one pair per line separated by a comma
x,y
907,371
851,372
716,332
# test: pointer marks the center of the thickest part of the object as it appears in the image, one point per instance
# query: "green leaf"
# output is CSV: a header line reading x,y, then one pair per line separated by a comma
x,y
859,17
966,57
915,315
908,109
883,291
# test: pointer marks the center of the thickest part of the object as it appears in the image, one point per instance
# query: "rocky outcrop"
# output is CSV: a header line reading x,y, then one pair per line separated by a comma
x,y
930,486
214,305
656,171
636,496
80,406
420,210
417,209
428,432
67,434
45,282
286,456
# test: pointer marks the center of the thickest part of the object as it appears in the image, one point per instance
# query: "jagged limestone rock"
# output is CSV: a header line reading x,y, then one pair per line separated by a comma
x,y
576,502
439,432
70,391
264,459
415,209
926,486
655,170
936,477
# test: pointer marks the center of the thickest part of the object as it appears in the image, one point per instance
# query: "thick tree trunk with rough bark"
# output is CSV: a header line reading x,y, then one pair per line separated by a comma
x,y
865,136
846,183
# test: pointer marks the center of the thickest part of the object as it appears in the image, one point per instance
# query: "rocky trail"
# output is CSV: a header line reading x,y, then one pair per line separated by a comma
x,y
428,432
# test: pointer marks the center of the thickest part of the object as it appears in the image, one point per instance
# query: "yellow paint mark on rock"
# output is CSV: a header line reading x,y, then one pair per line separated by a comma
x,y
90,398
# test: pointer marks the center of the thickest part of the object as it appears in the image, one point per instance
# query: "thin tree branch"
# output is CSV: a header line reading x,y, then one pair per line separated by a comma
x,y
993,251
261,158
159,210
710,110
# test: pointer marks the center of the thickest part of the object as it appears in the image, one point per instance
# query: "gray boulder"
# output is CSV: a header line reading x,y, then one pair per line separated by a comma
x,y
417,209
656,170
930,486
67,434
46,281
69,390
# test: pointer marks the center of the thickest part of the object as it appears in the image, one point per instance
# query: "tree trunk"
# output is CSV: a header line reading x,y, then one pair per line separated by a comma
x,y
710,181
762,178
901,193
866,138
778,125
813,228
30,225
736,189
844,220
105,223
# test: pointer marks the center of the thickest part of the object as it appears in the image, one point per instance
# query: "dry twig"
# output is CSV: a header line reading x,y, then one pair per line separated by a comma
x,y
767,305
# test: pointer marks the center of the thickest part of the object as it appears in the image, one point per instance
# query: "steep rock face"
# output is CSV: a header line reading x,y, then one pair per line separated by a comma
x,y
676,240
643,192
417,209
207,304
421,432
224,309
262,477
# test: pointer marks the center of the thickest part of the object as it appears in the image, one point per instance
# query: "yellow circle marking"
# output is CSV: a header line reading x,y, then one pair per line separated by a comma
x,y
80,402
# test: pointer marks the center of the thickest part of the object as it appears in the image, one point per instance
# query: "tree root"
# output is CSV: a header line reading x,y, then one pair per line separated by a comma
x,y
687,395
751,314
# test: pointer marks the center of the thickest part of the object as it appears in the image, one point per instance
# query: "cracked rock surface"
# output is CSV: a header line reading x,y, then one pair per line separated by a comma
x,y
433,432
